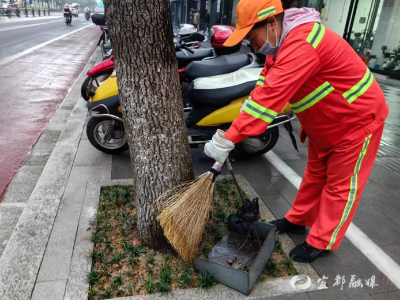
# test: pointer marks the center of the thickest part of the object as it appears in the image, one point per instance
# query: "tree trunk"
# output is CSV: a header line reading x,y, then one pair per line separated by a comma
x,y
151,100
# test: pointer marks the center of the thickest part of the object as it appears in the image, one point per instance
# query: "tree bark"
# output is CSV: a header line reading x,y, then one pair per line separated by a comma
x,y
147,70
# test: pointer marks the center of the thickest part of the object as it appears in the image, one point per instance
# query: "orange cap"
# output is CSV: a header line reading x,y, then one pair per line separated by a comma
x,y
250,12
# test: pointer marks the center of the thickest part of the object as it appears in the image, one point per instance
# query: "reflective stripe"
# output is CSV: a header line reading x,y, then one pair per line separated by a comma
x,y
261,81
352,193
320,93
316,35
360,88
266,12
260,112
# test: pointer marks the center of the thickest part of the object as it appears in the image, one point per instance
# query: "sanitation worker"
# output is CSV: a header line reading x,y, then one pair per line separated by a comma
x,y
338,102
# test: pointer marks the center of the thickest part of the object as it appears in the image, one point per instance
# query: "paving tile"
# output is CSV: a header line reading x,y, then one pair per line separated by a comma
x,y
21,258
80,110
50,290
393,251
384,178
81,263
265,167
48,139
302,296
336,294
87,155
9,216
71,135
361,266
60,118
288,191
298,165
121,166
23,184
38,157
79,177
57,258
367,219
382,199
55,174
285,150
261,184
277,205
387,296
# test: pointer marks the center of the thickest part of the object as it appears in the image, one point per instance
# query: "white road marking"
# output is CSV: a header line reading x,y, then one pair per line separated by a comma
x,y
7,60
359,239
23,26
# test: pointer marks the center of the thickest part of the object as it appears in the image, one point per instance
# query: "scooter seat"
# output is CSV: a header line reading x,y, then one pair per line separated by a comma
x,y
185,57
217,66
107,46
221,90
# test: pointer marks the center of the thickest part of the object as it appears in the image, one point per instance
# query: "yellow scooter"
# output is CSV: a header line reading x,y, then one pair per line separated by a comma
x,y
215,103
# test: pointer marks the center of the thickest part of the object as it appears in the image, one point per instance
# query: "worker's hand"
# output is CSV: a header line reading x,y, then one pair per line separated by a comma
x,y
219,147
245,103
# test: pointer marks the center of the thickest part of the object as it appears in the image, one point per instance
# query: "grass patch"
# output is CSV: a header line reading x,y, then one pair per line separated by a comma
x,y
124,267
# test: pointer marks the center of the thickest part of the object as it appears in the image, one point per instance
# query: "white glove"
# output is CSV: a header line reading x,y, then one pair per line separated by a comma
x,y
245,103
219,147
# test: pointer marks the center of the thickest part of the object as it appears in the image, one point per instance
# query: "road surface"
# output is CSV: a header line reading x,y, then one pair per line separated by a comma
x,y
35,79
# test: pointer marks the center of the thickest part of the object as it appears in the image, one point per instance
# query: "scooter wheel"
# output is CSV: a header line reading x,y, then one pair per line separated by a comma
x,y
95,128
84,87
255,146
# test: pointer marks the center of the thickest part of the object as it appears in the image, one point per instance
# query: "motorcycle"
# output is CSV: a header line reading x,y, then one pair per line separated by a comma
x,y
103,70
87,16
185,56
68,18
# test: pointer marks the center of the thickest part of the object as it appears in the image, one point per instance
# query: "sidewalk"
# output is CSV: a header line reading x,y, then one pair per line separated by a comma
x,y
45,255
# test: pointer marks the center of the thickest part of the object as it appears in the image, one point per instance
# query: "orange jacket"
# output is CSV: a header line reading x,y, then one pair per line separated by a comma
x,y
331,90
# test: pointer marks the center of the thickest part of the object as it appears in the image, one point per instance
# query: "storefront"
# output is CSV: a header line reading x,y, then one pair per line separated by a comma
x,y
374,32
178,12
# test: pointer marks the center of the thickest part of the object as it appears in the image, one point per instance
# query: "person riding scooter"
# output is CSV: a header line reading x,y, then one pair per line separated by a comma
x,y
87,13
67,12
339,104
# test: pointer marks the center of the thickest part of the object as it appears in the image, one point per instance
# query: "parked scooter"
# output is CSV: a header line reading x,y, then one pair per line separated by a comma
x,y
216,103
96,76
103,70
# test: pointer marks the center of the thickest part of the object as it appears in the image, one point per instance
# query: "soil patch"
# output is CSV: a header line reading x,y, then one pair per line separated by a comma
x,y
122,266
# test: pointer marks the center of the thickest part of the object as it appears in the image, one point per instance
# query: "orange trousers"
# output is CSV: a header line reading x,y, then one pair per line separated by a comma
x,y
331,189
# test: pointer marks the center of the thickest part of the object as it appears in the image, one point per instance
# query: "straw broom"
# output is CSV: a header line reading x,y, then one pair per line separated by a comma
x,y
184,212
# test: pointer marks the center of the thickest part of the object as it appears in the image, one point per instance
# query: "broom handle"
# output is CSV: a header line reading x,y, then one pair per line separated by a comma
x,y
228,164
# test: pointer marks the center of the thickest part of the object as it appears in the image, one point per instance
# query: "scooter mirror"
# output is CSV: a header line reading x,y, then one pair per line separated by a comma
x,y
197,37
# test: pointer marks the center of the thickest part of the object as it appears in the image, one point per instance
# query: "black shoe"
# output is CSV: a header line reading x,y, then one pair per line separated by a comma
x,y
283,225
306,253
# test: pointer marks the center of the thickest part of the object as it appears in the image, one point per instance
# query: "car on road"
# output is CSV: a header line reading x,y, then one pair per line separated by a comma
x,y
99,9
4,4
73,10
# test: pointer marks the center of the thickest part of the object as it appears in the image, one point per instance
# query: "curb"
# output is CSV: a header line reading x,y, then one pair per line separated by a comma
x,y
23,253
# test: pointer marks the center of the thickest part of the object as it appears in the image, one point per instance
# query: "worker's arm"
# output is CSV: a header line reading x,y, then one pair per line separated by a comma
x,y
269,62
296,63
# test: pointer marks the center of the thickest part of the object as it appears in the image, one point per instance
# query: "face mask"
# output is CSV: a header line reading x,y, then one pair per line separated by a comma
x,y
268,49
